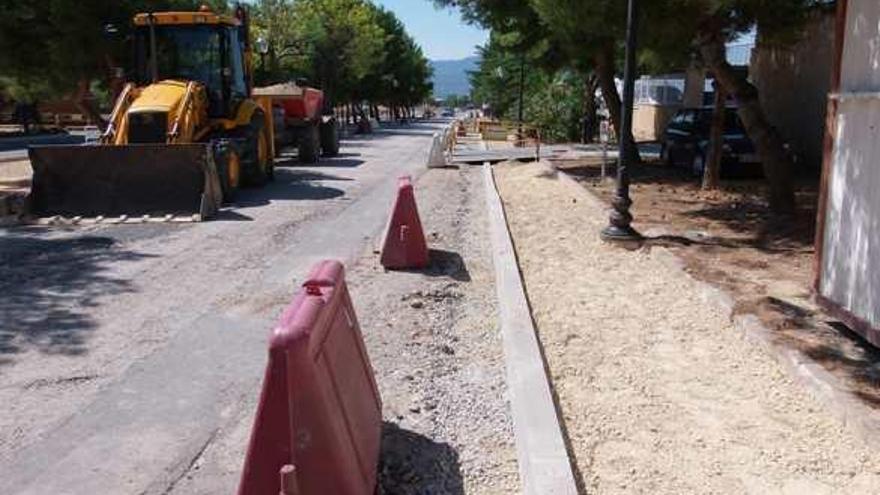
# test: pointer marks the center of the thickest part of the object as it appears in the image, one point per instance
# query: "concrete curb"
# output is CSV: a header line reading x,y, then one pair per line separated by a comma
x,y
544,465
828,390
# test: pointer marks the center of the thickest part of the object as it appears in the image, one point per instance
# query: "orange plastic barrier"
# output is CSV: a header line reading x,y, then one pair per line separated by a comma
x,y
404,244
318,424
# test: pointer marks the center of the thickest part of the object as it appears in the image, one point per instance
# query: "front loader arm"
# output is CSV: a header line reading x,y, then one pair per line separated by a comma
x,y
117,118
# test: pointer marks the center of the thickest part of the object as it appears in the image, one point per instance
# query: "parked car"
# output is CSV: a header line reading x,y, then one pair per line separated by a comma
x,y
686,142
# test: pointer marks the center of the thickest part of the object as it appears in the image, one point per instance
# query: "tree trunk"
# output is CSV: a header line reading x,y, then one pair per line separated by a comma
x,y
604,61
712,173
590,109
86,105
778,165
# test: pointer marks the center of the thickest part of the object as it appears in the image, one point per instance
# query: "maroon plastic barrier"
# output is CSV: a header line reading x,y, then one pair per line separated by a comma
x,y
319,420
404,244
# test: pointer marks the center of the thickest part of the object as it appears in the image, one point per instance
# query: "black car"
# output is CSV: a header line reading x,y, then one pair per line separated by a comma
x,y
686,142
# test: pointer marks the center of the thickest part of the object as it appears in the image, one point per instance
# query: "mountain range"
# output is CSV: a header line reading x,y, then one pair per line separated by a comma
x,y
451,76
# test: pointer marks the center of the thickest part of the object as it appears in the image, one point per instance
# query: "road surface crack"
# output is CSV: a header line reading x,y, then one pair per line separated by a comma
x,y
192,461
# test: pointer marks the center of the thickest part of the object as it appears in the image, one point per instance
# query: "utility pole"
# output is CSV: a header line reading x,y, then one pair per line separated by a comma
x,y
619,228
522,83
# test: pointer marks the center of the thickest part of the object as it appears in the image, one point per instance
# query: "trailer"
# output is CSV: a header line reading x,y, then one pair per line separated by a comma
x,y
299,120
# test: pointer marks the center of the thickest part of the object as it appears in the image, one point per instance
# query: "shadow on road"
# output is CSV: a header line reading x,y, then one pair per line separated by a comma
x,y
406,131
307,175
343,160
227,215
412,464
47,287
338,162
290,185
387,129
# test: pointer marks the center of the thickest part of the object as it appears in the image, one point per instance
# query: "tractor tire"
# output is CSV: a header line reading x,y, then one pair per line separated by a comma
x,y
257,163
309,144
329,138
666,155
698,164
228,164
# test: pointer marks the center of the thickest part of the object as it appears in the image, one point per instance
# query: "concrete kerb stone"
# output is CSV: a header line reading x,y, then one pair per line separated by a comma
x,y
544,464
828,390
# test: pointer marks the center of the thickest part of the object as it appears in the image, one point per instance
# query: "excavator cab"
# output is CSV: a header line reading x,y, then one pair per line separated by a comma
x,y
211,55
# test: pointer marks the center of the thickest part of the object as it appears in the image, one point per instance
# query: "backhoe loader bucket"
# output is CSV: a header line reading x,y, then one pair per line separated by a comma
x,y
126,181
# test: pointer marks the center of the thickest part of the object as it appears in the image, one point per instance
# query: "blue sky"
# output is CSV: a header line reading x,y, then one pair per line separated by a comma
x,y
441,33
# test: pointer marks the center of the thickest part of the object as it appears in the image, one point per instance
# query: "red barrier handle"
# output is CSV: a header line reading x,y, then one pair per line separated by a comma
x,y
289,486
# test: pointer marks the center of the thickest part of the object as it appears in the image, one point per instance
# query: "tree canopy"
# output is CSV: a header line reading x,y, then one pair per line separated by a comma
x,y
352,49
587,37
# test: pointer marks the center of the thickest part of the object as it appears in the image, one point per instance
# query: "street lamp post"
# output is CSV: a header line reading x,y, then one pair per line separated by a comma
x,y
522,84
499,71
262,49
619,228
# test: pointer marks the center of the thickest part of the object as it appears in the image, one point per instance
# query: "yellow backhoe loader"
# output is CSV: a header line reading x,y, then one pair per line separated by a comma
x,y
182,136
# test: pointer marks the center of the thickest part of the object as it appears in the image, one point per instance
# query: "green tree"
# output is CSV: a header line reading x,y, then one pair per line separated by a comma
x,y
274,24
780,20
352,49
591,32
672,31
456,101
402,79
581,35
341,43
553,99
56,48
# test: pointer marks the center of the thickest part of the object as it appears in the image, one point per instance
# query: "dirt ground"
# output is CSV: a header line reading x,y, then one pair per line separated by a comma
x,y
658,391
729,239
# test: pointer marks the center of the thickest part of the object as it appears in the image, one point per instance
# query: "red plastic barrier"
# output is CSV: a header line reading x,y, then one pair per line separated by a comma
x,y
319,420
404,244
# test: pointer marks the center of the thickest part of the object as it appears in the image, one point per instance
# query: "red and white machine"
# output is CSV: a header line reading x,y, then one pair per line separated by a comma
x,y
299,120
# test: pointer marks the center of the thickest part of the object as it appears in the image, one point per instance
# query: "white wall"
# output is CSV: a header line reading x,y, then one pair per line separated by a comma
x,y
851,260
850,272
860,67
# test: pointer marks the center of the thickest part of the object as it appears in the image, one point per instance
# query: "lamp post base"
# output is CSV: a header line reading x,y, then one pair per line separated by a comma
x,y
628,235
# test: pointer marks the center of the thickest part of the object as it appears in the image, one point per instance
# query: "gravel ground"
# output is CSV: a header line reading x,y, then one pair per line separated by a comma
x,y
658,391
131,356
434,343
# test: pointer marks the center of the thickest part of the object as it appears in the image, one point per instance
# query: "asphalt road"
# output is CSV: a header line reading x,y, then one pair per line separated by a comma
x,y
125,349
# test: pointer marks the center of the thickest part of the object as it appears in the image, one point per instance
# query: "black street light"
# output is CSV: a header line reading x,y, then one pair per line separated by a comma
x,y
522,85
262,49
619,228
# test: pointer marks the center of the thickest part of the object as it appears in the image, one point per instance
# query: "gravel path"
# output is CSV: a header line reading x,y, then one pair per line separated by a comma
x,y
436,348
658,391
433,342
